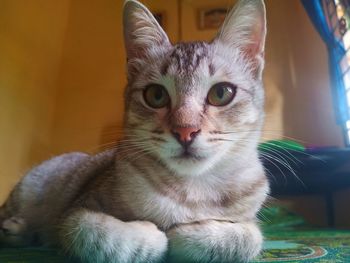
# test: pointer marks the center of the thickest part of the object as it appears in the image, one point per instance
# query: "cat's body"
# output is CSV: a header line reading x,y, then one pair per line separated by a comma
x,y
186,180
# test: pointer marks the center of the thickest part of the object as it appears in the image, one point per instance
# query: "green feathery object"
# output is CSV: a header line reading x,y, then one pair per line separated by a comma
x,y
281,144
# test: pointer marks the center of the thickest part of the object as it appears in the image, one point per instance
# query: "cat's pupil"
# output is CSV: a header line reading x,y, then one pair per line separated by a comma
x,y
158,94
220,92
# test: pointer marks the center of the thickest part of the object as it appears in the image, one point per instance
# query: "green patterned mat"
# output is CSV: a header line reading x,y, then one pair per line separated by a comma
x,y
288,239
308,245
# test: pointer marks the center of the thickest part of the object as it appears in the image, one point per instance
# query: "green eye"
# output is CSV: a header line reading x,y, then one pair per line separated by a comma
x,y
156,96
221,94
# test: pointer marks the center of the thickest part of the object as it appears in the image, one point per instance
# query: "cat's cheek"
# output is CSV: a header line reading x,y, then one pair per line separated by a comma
x,y
240,114
162,114
251,116
167,151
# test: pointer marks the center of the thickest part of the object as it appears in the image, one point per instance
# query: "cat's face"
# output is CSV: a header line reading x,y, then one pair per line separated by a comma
x,y
192,104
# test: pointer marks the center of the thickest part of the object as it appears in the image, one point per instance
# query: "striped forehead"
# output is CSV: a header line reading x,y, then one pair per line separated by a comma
x,y
185,58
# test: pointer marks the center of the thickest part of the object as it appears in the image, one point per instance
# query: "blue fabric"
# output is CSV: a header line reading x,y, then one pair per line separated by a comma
x,y
335,53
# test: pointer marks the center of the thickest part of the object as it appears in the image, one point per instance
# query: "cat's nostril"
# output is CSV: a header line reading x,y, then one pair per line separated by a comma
x,y
194,134
185,135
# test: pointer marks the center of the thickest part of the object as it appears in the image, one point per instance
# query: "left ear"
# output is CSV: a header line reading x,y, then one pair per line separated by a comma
x,y
141,30
245,28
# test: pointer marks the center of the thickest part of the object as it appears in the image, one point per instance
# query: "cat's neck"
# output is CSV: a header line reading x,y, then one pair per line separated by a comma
x,y
228,173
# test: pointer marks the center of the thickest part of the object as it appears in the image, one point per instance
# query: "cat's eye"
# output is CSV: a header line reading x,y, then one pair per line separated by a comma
x,y
156,96
221,94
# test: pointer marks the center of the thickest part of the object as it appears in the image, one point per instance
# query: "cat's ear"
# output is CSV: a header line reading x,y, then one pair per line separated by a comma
x,y
141,30
245,28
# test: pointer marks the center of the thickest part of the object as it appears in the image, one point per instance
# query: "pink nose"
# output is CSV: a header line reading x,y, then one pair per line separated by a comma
x,y
185,135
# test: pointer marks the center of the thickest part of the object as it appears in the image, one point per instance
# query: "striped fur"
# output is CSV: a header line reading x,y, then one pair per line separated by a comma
x,y
146,199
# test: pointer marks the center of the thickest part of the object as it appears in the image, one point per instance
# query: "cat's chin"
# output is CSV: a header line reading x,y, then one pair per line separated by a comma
x,y
193,162
189,165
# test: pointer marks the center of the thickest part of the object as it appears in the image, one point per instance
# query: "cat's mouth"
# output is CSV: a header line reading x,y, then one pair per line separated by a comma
x,y
189,155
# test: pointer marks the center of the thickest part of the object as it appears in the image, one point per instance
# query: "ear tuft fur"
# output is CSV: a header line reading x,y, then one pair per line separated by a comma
x,y
245,28
141,30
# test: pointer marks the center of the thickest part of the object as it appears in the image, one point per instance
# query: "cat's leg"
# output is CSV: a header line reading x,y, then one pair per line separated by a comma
x,y
37,193
97,237
12,228
13,232
214,241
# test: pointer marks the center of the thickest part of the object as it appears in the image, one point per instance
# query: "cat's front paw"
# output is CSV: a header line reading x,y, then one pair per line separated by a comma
x,y
100,238
213,241
149,243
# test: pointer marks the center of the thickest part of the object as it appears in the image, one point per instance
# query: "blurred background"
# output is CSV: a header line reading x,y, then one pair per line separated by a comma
x,y
62,76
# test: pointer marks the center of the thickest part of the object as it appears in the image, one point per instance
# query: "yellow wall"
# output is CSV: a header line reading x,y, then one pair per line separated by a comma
x,y
297,65
31,36
91,77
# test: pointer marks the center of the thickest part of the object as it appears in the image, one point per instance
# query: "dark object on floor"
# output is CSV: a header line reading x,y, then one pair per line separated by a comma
x,y
293,171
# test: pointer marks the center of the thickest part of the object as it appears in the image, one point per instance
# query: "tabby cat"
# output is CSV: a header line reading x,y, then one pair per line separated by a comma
x,y
185,183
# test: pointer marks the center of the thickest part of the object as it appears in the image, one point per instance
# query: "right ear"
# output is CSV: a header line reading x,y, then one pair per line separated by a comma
x,y
141,30
245,28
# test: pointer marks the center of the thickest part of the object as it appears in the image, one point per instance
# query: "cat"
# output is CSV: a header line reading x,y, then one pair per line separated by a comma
x,y
185,183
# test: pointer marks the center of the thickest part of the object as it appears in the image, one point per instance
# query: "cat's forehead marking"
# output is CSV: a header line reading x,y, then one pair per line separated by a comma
x,y
211,69
186,58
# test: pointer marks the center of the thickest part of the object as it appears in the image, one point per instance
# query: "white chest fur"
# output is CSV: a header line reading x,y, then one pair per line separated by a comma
x,y
148,203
